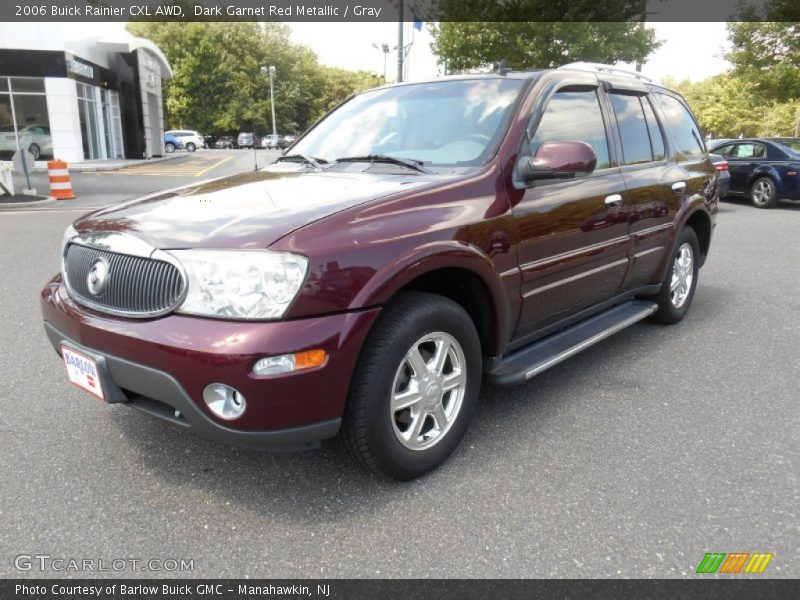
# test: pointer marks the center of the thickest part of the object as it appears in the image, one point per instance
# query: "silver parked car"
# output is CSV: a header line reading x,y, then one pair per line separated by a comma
x,y
247,140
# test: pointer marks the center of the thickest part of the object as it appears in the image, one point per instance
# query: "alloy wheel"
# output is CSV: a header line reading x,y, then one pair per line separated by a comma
x,y
428,391
682,275
762,192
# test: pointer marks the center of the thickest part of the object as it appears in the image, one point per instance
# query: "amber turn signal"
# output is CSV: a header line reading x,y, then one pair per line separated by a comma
x,y
288,363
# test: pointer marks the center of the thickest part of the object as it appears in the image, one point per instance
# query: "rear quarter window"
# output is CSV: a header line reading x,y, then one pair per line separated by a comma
x,y
684,127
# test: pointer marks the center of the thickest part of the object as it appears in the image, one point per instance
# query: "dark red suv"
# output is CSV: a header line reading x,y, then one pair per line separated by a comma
x,y
419,238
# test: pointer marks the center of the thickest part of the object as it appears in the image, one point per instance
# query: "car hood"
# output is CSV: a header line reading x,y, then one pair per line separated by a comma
x,y
248,210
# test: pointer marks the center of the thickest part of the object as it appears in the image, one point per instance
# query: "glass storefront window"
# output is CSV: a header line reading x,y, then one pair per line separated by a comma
x,y
24,101
24,85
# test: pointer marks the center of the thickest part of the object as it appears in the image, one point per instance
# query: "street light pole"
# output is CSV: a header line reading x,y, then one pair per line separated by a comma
x,y
271,71
385,49
272,98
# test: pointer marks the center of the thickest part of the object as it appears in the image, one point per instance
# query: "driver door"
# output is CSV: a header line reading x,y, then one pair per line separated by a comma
x,y
572,233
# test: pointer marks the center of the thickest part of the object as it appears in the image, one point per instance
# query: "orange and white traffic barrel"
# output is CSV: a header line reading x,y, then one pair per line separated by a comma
x,y
60,184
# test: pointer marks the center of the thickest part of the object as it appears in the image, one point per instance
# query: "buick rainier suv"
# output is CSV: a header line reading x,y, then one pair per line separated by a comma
x,y
419,239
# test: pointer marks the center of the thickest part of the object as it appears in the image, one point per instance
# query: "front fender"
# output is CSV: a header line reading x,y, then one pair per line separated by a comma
x,y
430,257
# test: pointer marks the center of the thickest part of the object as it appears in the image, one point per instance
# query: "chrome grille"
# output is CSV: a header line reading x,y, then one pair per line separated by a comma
x,y
136,286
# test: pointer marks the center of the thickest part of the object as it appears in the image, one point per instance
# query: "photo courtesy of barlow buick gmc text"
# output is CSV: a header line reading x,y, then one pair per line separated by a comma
x,y
452,299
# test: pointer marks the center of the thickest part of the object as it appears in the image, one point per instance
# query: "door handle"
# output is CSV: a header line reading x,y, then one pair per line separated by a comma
x,y
679,187
614,200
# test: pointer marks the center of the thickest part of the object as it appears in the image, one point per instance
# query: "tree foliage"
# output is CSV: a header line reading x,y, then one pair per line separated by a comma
x,y
540,33
767,54
218,85
728,106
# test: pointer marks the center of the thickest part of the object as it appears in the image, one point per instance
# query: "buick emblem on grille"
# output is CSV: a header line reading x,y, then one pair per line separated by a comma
x,y
98,277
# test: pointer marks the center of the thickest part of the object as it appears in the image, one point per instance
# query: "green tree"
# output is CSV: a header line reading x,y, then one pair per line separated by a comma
x,y
540,33
768,55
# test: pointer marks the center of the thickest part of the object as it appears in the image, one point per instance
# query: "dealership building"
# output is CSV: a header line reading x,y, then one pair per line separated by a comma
x,y
79,100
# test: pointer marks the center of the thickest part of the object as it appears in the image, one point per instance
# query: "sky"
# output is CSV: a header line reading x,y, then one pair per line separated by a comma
x,y
690,50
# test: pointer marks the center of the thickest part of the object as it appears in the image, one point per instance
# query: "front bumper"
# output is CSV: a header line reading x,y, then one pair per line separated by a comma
x,y
161,366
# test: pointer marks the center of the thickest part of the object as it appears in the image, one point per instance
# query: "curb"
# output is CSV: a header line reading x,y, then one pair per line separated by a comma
x,y
89,168
13,205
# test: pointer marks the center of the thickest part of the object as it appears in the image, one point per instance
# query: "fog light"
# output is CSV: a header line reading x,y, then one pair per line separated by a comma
x,y
224,401
288,363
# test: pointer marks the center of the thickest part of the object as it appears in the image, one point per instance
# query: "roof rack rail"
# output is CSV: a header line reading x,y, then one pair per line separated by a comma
x,y
601,68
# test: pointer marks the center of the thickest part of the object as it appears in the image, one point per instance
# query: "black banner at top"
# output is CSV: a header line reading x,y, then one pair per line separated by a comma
x,y
400,10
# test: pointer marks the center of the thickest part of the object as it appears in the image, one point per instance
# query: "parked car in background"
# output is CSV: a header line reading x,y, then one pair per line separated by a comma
x,y
287,140
247,140
490,226
225,142
36,138
172,143
723,174
209,139
765,170
271,142
192,140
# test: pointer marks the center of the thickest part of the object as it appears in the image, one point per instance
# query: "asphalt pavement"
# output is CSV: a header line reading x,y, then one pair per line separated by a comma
x,y
101,188
632,459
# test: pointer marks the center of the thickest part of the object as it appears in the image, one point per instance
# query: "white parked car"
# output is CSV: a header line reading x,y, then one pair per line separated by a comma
x,y
192,140
270,142
35,138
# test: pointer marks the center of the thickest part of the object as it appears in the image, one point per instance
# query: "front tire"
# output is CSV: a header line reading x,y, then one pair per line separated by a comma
x,y
680,282
169,147
415,386
35,151
764,194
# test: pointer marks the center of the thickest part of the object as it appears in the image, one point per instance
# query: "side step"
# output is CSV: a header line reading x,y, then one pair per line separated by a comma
x,y
531,360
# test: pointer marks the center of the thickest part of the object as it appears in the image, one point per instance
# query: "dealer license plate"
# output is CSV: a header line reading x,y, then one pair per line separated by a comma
x,y
82,371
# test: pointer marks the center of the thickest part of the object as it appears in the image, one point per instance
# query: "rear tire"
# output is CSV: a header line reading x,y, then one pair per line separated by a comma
x,y
680,282
35,151
764,194
190,147
414,388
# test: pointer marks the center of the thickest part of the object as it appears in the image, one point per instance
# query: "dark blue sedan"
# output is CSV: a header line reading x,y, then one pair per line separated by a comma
x,y
763,169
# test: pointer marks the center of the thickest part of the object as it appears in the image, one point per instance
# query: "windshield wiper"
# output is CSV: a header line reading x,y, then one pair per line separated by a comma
x,y
410,163
309,160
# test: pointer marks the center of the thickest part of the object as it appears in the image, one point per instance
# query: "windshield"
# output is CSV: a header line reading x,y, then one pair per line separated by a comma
x,y
444,123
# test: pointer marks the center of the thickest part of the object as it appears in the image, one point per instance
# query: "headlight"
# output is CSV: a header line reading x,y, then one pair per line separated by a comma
x,y
246,284
69,233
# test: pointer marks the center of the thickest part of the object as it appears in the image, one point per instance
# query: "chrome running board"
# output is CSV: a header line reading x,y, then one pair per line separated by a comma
x,y
527,362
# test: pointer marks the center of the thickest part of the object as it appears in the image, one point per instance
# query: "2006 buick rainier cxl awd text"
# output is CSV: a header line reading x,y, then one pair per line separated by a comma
x,y
419,238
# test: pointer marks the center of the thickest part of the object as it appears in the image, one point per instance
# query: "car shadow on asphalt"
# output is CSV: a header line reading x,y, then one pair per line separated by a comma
x,y
327,486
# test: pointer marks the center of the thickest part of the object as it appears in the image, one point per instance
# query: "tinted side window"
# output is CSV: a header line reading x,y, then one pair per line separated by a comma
x,y
683,125
574,116
656,137
632,129
728,151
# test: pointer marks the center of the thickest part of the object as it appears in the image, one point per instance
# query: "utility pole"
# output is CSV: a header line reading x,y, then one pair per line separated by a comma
x,y
400,48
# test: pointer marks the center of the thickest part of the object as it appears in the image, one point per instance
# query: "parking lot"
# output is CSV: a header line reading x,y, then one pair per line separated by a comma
x,y
632,459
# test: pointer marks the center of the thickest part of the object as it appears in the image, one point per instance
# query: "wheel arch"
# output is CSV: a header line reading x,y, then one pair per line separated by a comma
x,y
461,273
701,223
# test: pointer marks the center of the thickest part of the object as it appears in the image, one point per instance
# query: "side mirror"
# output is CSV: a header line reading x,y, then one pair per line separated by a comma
x,y
558,160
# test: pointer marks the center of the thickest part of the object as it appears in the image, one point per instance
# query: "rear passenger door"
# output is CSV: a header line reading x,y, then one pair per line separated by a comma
x,y
743,159
651,201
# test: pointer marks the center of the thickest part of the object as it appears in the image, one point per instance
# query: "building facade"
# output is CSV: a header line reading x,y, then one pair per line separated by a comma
x,y
79,100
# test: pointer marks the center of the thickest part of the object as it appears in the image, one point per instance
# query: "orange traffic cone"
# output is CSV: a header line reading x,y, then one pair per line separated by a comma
x,y
60,184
